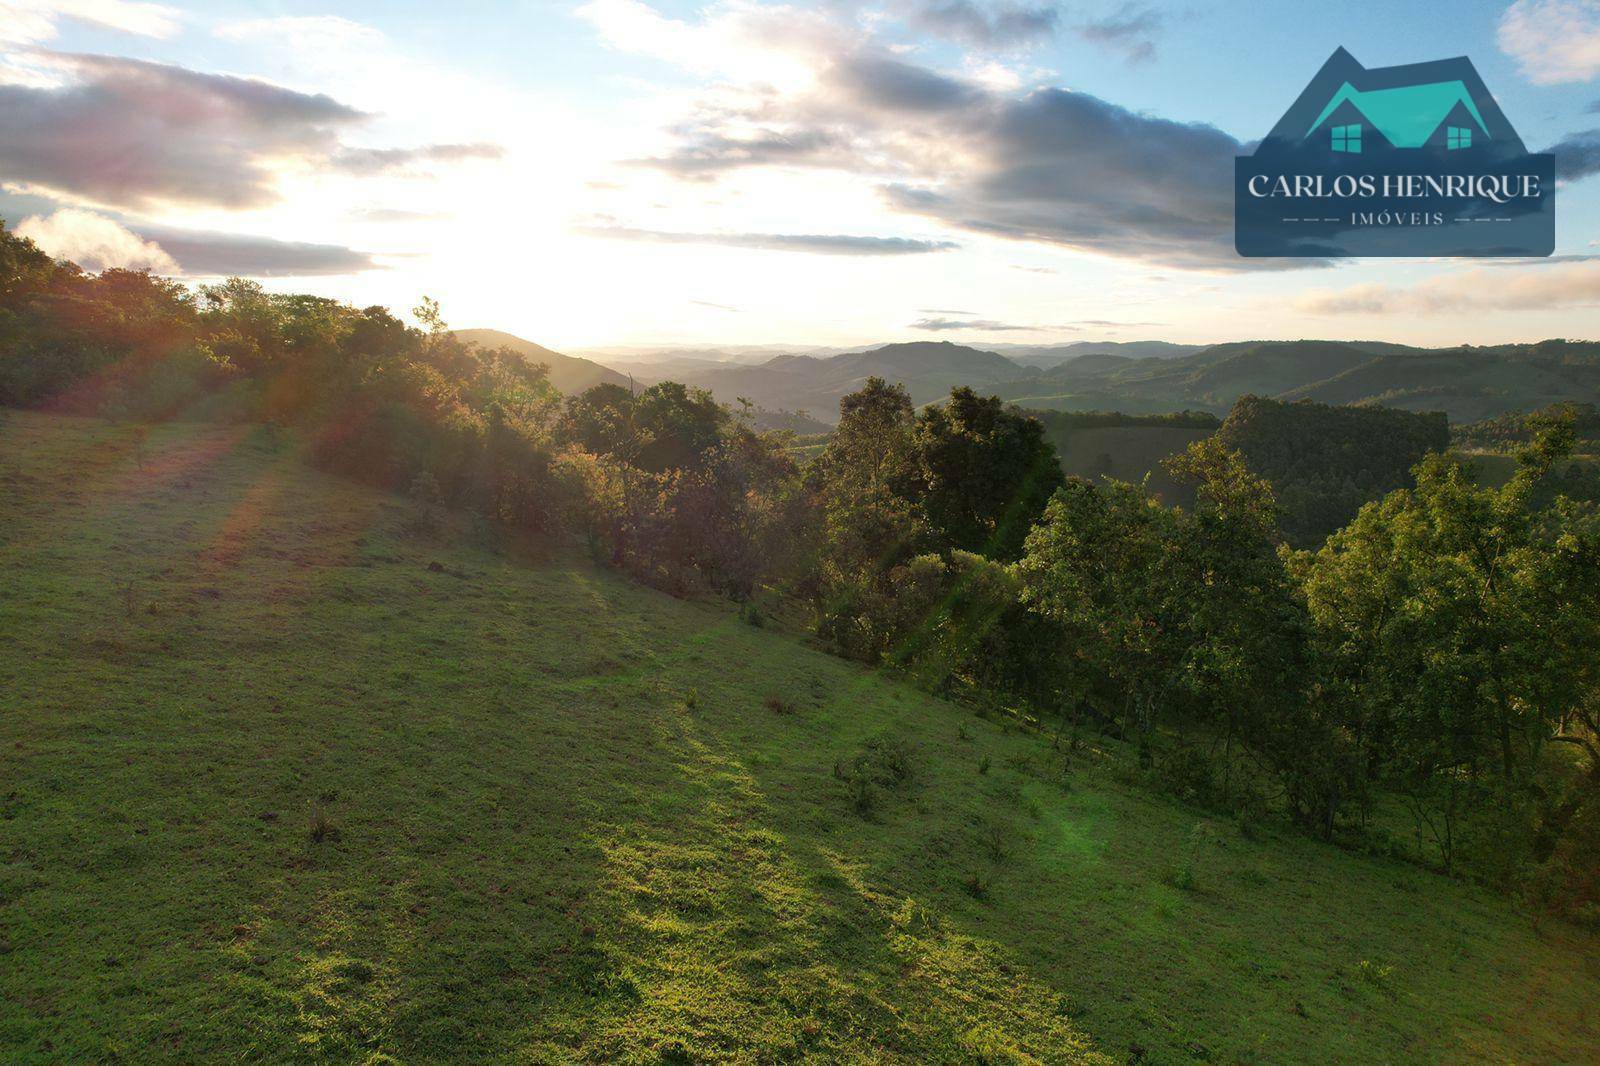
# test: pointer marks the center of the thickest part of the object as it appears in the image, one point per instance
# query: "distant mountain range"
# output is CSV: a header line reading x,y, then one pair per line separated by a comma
x,y
1149,377
1137,377
1047,355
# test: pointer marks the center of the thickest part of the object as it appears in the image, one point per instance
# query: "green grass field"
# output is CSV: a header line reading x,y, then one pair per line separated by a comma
x,y
284,775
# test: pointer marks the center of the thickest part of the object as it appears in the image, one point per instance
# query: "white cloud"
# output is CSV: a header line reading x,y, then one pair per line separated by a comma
x,y
1554,41
95,242
32,21
1528,288
779,46
316,32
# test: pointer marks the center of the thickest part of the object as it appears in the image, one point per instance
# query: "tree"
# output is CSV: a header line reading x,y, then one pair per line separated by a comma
x,y
989,472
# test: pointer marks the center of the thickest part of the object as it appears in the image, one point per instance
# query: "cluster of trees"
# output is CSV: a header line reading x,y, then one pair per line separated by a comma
x,y
1507,431
1324,462
1440,648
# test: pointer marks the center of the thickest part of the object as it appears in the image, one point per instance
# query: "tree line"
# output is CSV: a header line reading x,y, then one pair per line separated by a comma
x,y
1435,655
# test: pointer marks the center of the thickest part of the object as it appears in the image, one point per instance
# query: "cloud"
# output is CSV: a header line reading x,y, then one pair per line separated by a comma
x,y
820,244
320,32
1070,169
1568,283
1130,32
716,306
942,311
33,21
397,214
1048,166
983,324
774,45
130,133
707,151
984,25
885,83
1553,41
382,160
212,254
95,242
1577,155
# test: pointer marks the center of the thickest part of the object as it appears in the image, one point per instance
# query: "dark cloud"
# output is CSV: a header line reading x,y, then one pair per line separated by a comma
x,y
821,244
1577,155
208,254
984,324
1052,166
1131,32
985,25
1068,168
132,133
380,160
889,84
706,151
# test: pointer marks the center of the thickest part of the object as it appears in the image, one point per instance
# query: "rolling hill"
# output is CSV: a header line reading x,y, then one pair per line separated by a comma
x,y
290,775
1468,384
568,373
814,384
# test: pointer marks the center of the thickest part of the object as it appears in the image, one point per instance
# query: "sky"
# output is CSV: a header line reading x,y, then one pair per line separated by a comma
x,y
608,173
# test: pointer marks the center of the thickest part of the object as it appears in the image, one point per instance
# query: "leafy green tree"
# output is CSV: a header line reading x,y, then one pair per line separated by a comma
x,y
989,472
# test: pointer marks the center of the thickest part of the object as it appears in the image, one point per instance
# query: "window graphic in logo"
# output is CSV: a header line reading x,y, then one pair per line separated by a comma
x,y
1415,160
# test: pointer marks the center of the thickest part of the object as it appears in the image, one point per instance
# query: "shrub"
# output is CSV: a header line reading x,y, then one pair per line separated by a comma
x,y
884,763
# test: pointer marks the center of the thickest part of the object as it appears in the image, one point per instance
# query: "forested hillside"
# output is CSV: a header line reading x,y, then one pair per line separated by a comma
x,y
567,373
1468,384
1325,462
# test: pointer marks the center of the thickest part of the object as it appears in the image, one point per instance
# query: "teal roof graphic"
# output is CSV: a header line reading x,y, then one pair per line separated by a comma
x,y
1407,115
1440,103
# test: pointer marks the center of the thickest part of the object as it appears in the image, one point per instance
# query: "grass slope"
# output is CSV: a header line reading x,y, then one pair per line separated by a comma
x,y
558,821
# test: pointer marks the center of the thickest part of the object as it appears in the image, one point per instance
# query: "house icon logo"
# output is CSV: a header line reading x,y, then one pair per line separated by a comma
x,y
1414,160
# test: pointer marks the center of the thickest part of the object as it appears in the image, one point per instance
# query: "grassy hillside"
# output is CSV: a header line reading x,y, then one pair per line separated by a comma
x,y
287,774
568,373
